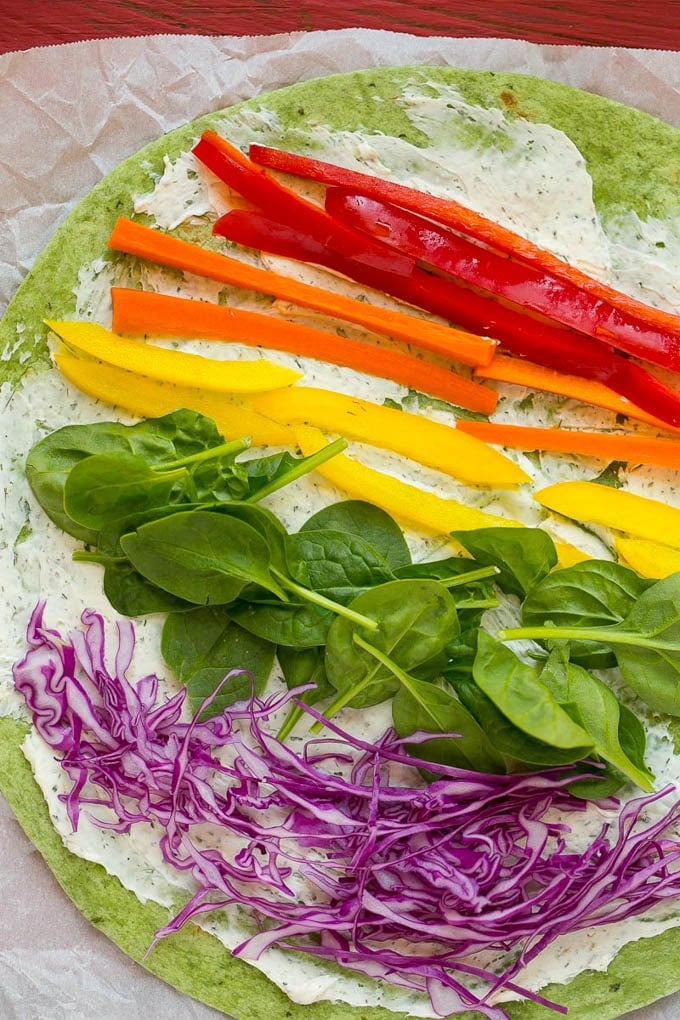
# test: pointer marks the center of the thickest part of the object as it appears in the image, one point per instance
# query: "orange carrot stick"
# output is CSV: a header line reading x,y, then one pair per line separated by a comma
x,y
520,372
634,449
155,246
137,312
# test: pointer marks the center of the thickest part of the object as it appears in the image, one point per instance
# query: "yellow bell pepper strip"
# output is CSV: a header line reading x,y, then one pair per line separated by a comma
x,y
147,398
431,443
521,372
138,312
172,366
634,449
650,559
568,555
618,509
166,250
426,510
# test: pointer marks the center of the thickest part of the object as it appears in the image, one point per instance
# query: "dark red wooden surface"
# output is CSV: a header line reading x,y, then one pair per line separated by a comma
x,y
653,24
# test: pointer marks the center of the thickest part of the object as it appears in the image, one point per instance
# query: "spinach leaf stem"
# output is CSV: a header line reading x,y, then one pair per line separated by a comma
x,y
605,635
233,446
302,468
325,603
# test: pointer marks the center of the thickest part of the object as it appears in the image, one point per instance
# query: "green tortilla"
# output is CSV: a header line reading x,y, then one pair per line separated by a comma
x,y
633,160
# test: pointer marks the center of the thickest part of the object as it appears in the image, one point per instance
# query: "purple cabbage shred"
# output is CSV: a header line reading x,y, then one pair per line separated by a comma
x,y
407,882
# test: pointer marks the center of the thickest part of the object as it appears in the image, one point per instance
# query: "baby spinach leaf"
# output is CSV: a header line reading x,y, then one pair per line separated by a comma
x,y
461,651
203,683
471,586
523,556
593,593
103,488
368,522
219,478
420,706
291,624
415,620
205,558
273,467
646,643
508,740
270,473
516,691
202,645
632,736
302,666
336,563
179,434
449,567
132,595
265,523
597,782
595,707
647,646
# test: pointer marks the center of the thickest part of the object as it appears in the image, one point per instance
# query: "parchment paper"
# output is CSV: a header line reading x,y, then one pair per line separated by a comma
x,y
69,114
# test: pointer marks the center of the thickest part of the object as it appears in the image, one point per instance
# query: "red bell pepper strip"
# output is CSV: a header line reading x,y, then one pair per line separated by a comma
x,y
324,239
479,316
503,277
656,327
520,333
251,182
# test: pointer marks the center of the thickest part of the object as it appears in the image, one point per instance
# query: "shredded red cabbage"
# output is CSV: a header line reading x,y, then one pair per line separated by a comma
x,y
406,883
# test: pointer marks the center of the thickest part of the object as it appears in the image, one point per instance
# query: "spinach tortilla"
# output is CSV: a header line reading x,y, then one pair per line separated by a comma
x,y
633,160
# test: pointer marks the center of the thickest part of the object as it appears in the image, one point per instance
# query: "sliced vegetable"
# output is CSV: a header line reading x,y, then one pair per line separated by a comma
x,y
617,509
172,366
522,333
651,559
332,242
147,398
507,279
632,449
239,173
655,328
429,442
480,862
155,246
264,231
138,312
521,372
406,502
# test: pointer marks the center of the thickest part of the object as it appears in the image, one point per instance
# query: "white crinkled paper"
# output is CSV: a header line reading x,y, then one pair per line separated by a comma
x,y
69,115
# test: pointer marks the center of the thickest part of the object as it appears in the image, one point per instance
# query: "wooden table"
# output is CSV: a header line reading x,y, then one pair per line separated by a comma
x,y
654,25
